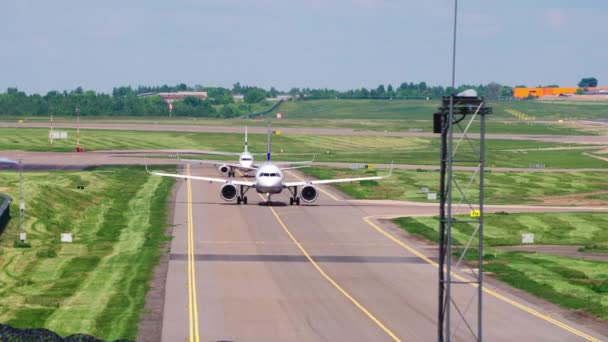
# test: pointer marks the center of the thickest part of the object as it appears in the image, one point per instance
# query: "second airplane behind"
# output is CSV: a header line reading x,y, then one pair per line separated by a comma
x,y
269,180
245,164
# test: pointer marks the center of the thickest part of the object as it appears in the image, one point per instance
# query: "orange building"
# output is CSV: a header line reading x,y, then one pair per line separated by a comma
x,y
522,93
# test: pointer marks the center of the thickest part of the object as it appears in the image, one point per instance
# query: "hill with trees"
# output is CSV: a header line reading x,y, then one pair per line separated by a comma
x,y
220,103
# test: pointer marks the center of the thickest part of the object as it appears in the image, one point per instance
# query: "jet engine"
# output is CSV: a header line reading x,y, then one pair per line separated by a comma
x,y
224,169
309,194
228,192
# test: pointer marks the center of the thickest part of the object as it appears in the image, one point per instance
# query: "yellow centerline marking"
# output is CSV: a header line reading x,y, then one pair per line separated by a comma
x,y
192,300
329,279
318,187
523,307
486,290
367,219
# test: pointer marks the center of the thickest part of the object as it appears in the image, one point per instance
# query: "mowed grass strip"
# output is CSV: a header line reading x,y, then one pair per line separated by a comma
x,y
97,284
403,115
500,187
552,109
373,123
359,109
503,229
330,148
570,282
423,109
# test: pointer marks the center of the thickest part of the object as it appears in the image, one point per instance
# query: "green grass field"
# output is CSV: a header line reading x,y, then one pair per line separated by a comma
x,y
422,109
553,110
501,187
360,109
97,284
385,115
569,282
331,148
505,229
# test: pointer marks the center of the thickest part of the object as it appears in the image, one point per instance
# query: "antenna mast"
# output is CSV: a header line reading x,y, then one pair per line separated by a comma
x,y
21,204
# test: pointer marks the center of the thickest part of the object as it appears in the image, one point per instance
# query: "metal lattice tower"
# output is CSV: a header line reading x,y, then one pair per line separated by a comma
x,y
461,210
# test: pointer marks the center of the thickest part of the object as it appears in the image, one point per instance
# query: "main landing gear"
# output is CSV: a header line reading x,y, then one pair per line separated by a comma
x,y
294,196
231,173
242,198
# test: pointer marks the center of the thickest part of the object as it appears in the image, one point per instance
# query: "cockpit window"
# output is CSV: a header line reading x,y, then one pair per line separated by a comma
x,y
247,159
264,174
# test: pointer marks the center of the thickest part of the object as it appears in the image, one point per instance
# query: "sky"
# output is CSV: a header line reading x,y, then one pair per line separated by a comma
x,y
339,44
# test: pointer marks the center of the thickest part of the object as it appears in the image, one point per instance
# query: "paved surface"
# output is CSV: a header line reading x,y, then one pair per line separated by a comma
x,y
74,161
322,272
345,279
574,139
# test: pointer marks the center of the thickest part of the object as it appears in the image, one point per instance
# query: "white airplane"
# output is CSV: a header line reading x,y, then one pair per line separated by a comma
x,y
269,180
246,162
7,161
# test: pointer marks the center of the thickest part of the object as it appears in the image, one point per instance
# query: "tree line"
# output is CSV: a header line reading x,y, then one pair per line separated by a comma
x,y
124,101
128,101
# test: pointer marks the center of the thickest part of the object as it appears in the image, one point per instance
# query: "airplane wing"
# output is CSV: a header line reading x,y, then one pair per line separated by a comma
x,y
208,179
328,181
294,167
339,180
7,161
220,153
216,163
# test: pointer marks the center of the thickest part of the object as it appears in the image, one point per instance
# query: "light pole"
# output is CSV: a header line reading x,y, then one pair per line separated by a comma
x,y
78,149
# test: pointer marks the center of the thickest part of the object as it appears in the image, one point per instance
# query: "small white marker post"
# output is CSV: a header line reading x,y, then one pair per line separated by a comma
x,y
527,238
66,237
431,196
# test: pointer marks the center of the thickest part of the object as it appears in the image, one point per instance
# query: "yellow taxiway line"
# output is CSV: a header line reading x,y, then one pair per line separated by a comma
x,y
410,249
192,300
368,220
330,279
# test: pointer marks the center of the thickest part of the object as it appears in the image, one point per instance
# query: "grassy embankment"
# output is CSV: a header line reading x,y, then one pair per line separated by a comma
x,y
384,115
97,284
569,282
330,148
404,115
552,110
501,187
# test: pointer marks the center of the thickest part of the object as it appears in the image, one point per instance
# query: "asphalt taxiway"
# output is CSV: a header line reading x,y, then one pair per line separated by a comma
x,y
324,272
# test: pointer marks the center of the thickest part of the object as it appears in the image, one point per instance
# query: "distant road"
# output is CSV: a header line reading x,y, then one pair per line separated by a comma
x,y
76,161
568,139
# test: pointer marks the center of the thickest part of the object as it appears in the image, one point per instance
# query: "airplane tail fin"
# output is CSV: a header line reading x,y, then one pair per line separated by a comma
x,y
246,144
269,143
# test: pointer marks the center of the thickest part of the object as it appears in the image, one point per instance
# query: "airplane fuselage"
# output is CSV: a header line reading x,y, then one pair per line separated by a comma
x,y
269,179
246,160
